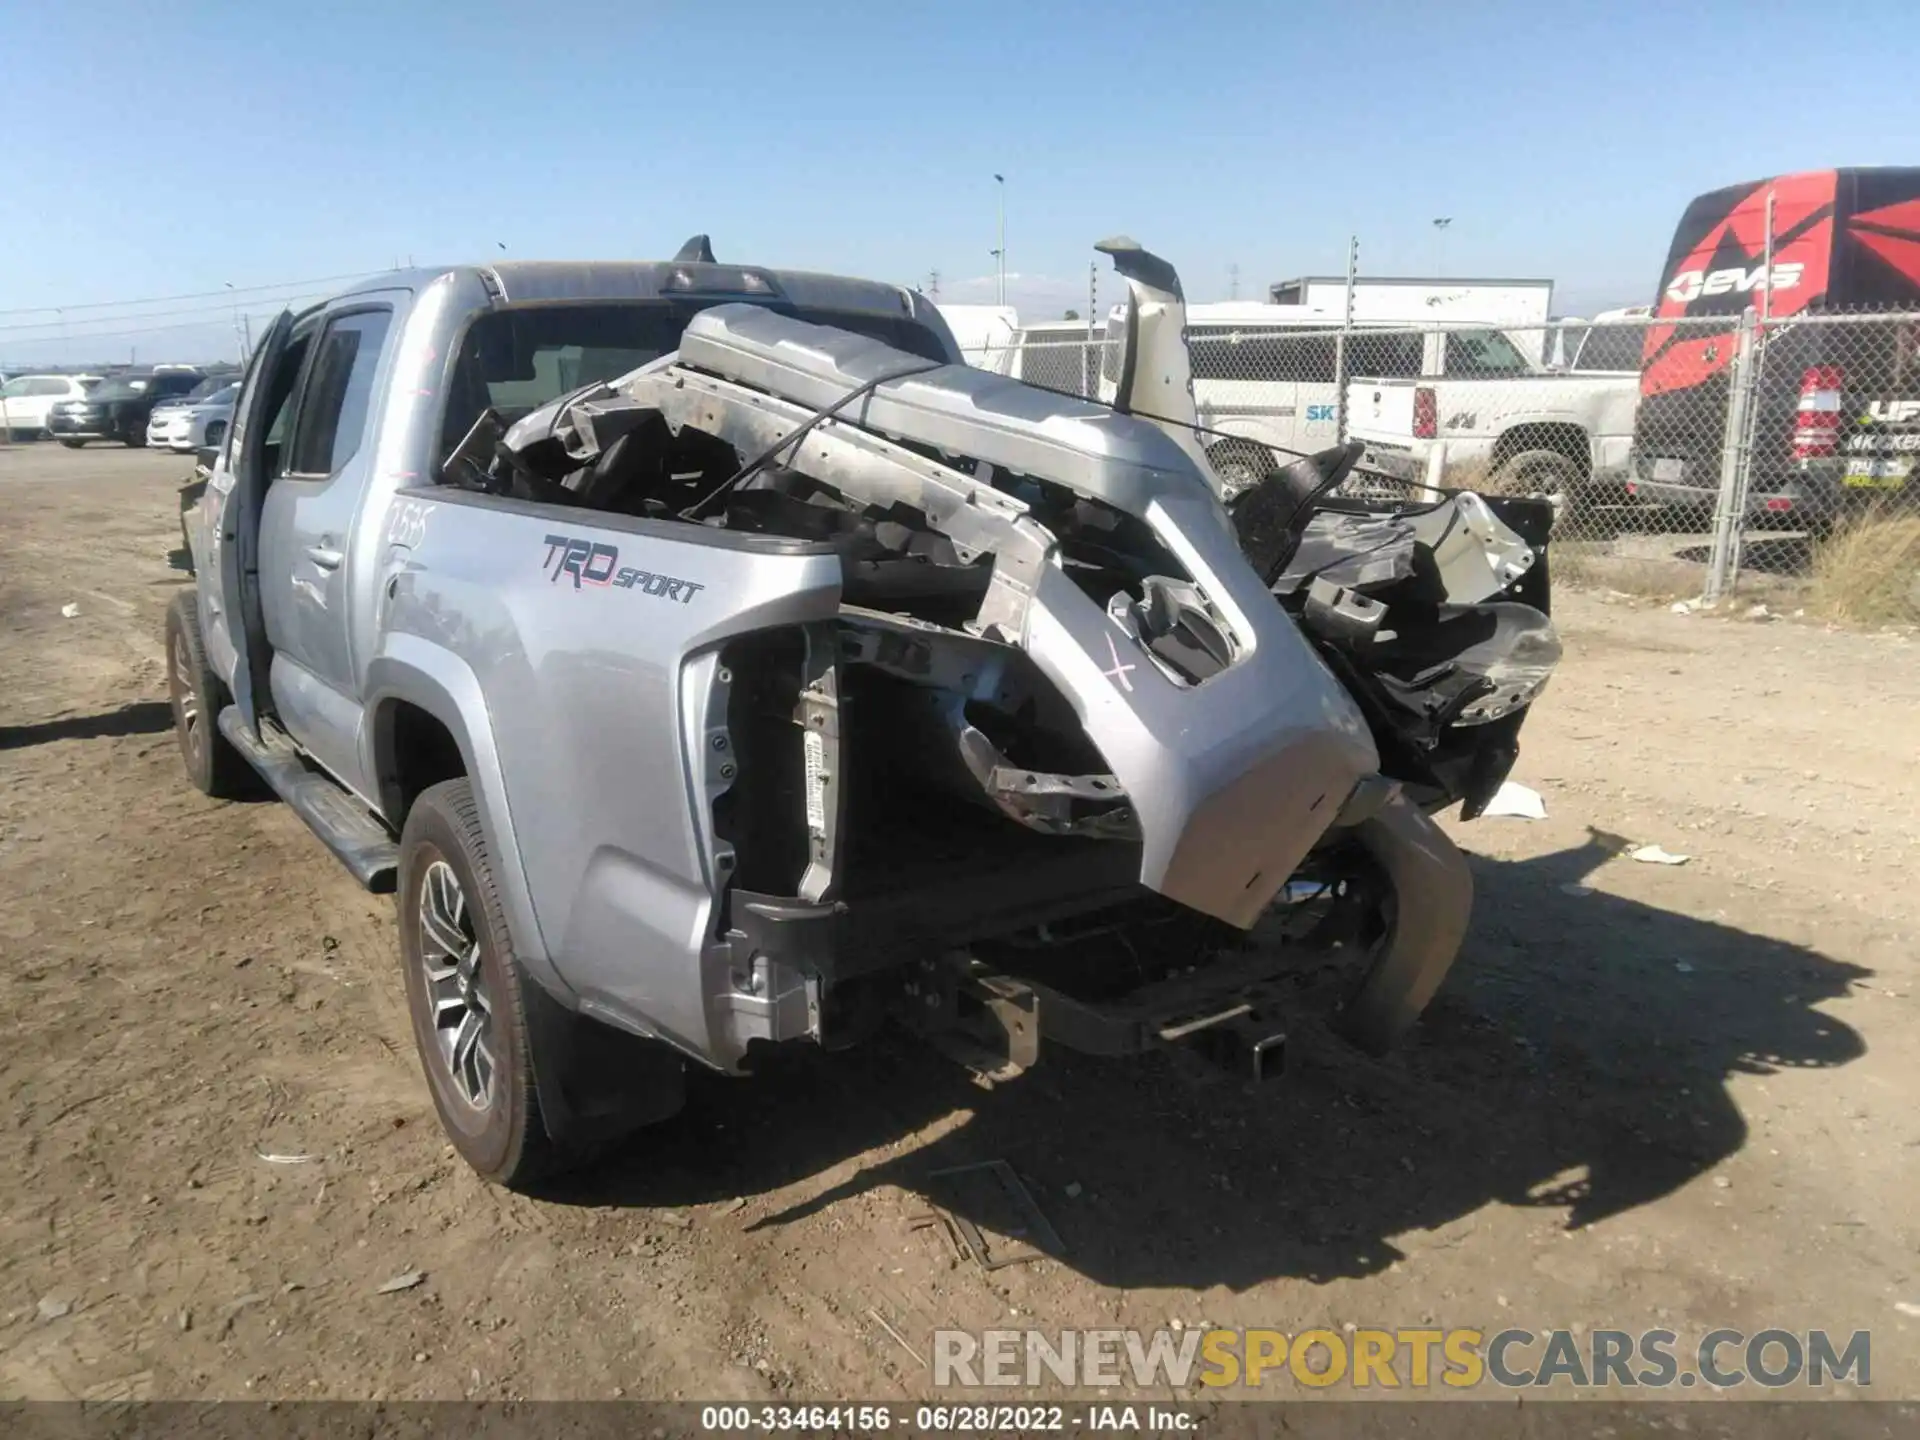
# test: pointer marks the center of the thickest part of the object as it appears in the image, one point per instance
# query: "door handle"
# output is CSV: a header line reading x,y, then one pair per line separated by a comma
x,y
323,557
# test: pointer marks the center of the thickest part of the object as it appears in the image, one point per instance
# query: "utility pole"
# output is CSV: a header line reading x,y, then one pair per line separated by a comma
x,y
1440,225
1340,344
933,286
1233,281
1001,254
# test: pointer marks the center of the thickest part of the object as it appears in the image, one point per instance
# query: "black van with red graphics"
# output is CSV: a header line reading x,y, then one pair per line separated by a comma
x,y
1835,413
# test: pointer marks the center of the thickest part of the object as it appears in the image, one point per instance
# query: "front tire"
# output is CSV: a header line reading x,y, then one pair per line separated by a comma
x,y
74,444
466,993
197,697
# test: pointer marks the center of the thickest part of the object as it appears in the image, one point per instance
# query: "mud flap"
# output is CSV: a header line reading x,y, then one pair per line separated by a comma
x,y
597,1084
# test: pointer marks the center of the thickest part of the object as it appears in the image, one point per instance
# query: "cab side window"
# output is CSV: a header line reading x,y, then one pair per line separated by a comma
x,y
280,387
1384,355
338,396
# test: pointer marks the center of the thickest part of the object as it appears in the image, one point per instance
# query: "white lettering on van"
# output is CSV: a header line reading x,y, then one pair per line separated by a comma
x,y
1690,285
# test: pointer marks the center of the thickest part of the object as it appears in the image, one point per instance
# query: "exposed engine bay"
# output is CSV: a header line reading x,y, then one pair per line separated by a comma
x,y
1089,749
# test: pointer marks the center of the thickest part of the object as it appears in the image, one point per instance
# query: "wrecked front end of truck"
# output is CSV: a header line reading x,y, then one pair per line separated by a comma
x,y
1058,767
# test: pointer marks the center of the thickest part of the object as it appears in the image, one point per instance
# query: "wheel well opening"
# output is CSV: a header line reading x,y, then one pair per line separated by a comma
x,y
1261,459
415,751
1568,440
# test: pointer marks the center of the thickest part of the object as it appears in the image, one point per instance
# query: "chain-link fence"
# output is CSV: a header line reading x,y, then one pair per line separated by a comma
x,y
1693,446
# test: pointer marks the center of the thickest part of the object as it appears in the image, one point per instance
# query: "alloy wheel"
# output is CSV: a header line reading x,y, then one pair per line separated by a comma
x,y
461,1010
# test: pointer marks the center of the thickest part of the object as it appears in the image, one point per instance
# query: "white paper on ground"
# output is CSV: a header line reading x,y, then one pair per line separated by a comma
x,y
1654,855
1518,801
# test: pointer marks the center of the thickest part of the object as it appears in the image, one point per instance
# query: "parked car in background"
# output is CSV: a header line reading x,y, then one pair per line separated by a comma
x,y
199,419
26,401
118,408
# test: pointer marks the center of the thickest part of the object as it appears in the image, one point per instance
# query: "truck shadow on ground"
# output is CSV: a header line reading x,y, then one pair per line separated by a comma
x,y
141,717
1577,1060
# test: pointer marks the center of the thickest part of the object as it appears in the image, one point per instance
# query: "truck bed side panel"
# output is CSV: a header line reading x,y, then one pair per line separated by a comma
x,y
583,630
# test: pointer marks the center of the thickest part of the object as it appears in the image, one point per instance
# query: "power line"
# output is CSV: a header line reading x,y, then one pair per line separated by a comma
x,y
198,295
222,319
57,328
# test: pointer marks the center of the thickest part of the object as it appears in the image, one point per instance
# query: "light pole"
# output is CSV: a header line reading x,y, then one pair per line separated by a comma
x,y
1440,225
1001,254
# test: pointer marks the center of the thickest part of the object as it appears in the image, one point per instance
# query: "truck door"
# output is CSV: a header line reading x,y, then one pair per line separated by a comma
x,y
306,535
268,386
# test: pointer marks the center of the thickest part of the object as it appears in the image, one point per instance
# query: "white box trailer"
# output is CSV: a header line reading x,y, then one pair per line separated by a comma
x,y
983,332
1519,307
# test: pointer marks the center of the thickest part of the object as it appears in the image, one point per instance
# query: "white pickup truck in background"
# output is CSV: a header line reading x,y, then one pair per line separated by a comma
x,y
1480,414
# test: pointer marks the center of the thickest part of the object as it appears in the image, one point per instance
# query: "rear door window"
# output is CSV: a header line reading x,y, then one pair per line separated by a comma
x,y
1384,355
1611,347
1483,352
332,414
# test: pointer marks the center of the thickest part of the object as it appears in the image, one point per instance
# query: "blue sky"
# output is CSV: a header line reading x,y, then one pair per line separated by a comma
x,y
160,151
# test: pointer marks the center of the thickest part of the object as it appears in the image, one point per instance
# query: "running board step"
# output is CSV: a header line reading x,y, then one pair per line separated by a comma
x,y
357,840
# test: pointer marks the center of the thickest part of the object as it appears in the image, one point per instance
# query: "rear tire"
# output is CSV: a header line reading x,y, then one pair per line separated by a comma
x,y
1536,472
197,697
1239,467
74,444
466,993
135,440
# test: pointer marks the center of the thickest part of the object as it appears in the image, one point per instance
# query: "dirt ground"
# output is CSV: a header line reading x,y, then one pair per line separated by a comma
x,y
1648,1095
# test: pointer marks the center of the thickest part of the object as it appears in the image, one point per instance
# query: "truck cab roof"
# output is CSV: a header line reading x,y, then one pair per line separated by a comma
x,y
536,282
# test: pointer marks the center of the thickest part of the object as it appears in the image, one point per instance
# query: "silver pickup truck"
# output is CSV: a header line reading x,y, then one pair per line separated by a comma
x,y
707,658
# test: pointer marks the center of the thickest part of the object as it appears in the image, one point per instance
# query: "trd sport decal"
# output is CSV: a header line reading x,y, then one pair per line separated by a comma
x,y
591,563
